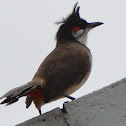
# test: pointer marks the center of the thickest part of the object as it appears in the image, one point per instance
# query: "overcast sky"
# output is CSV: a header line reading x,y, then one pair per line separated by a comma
x,y
27,36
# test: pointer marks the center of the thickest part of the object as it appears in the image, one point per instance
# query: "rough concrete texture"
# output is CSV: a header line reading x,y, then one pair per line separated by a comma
x,y
105,107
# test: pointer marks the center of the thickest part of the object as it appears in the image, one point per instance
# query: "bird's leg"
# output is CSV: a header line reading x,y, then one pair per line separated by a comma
x,y
67,96
40,111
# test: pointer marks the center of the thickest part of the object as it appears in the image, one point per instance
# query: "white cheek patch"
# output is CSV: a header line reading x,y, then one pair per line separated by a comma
x,y
81,35
78,33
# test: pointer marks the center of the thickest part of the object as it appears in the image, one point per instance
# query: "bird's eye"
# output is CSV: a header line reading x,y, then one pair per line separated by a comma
x,y
75,29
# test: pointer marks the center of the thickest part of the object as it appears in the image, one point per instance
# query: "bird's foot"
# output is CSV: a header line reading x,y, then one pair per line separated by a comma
x,y
64,108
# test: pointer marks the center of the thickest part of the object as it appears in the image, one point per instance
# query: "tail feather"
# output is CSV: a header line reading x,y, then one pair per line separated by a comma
x,y
28,101
9,100
13,95
14,91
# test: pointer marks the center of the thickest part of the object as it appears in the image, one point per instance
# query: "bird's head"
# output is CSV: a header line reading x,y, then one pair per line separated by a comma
x,y
74,28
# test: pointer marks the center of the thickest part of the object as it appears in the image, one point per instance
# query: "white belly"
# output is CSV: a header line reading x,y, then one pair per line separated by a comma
x,y
75,87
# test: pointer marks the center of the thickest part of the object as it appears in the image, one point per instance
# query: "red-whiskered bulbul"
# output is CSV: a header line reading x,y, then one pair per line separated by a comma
x,y
64,70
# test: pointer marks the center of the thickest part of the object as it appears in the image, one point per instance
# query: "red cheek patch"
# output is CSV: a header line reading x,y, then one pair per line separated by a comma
x,y
75,29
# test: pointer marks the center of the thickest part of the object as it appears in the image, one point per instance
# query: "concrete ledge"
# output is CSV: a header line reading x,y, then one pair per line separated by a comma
x,y
52,118
105,107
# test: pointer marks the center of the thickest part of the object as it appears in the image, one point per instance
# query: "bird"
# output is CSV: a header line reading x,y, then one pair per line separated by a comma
x,y
64,70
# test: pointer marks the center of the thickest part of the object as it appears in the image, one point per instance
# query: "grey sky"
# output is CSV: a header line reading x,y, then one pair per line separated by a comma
x,y
27,36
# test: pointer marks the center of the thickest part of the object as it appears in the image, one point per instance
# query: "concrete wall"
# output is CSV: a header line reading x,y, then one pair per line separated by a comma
x,y
105,107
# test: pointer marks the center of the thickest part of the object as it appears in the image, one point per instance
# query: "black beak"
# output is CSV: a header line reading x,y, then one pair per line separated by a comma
x,y
94,24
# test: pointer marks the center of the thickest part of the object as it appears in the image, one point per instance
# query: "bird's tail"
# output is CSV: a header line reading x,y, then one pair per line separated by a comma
x,y
13,95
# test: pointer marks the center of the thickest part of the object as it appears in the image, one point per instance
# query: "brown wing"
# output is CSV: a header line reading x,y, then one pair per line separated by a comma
x,y
60,81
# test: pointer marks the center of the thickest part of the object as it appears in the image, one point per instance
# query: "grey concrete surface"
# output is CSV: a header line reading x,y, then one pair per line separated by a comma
x,y
105,107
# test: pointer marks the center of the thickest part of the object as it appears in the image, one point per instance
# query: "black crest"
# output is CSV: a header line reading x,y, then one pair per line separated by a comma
x,y
73,17
65,31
